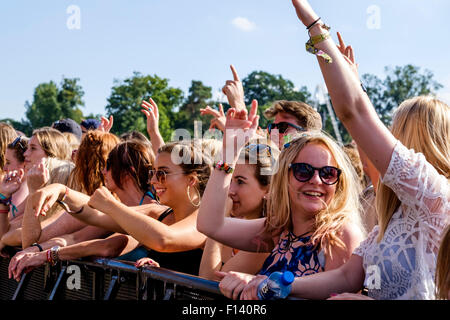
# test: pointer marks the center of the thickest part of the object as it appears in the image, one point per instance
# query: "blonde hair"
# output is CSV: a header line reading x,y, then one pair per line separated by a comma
x,y
7,135
53,143
72,140
59,171
442,278
343,208
423,124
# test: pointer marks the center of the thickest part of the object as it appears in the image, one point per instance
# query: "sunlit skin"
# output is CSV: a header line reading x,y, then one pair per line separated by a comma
x,y
300,193
109,181
284,117
34,153
246,192
174,188
12,163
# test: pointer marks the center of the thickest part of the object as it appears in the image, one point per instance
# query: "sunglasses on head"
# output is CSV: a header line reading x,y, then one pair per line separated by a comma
x,y
160,175
283,126
17,140
303,172
259,148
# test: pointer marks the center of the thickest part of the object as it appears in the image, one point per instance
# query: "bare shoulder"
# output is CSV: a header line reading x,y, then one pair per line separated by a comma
x,y
351,235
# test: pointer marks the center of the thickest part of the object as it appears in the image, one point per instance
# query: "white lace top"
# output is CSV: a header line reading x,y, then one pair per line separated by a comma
x,y
402,265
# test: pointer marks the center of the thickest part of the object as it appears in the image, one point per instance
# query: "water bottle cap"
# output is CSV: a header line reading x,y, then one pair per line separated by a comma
x,y
287,278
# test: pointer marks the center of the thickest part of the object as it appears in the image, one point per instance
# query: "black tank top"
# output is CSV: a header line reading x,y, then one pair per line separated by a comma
x,y
186,261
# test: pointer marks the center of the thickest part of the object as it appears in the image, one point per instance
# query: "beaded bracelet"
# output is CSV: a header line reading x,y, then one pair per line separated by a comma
x,y
224,167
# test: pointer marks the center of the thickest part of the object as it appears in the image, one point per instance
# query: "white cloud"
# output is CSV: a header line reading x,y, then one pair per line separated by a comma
x,y
243,24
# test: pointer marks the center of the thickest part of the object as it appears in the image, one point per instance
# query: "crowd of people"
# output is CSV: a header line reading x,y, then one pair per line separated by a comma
x,y
369,220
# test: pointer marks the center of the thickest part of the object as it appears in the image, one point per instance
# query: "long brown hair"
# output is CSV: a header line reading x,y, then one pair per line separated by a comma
x,y
134,158
422,124
91,160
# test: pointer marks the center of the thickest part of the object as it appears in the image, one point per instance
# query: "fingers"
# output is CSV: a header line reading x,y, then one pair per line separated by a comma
x,y
220,274
146,261
352,54
221,109
235,74
341,40
253,110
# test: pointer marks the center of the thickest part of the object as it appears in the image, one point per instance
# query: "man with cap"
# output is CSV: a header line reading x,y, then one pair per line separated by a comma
x,y
68,125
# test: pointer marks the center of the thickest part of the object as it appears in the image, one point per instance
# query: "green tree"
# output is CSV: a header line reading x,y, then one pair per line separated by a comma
x,y
268,88
127,95
400,83
199,97
51,103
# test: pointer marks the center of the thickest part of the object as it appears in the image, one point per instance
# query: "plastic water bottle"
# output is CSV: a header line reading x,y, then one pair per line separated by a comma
x,y
276,286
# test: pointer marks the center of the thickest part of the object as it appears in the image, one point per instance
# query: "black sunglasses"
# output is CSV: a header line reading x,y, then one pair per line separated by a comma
x,y
303,172
283,126
17,140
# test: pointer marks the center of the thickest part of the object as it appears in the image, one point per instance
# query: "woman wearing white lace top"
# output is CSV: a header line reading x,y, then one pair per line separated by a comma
x,y
398,259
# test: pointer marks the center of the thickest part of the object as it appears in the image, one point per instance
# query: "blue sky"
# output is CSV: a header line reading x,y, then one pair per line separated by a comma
x,y
197,40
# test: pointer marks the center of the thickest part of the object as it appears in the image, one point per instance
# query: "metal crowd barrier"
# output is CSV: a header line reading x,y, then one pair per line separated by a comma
x,y
105,279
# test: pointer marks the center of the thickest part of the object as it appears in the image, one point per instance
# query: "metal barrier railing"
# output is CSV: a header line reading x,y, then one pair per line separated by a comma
x,y
105,279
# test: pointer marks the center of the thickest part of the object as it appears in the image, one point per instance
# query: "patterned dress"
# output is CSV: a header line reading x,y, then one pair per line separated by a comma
x,y
402,265
291,254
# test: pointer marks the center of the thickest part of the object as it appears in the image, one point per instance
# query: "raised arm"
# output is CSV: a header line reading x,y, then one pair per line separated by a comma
x,y
351,103
235,233
150,109
234,90
177,237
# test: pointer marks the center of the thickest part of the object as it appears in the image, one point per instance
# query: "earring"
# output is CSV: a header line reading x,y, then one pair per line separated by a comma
x,y
264,208
198,195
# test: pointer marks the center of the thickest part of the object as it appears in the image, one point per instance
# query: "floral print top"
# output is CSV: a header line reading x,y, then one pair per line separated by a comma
x,y
292,254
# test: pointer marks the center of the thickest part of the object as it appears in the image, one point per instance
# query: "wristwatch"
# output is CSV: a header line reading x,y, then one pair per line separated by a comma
x,y
54,254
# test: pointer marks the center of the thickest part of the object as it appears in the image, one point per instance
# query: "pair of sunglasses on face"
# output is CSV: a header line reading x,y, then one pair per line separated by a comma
x,y
283,126
304,172
160,175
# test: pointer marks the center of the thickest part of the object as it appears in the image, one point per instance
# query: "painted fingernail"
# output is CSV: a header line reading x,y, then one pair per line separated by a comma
x,y
333,294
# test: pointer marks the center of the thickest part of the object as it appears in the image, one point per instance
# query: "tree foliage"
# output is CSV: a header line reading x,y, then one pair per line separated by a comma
x,y
127,95
400,83
52,102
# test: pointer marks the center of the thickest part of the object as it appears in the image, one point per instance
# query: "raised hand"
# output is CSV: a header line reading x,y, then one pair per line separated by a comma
x,y
234,91
10,182
106,124
38,175
150,109
101,199
348,54
239,129
219,117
